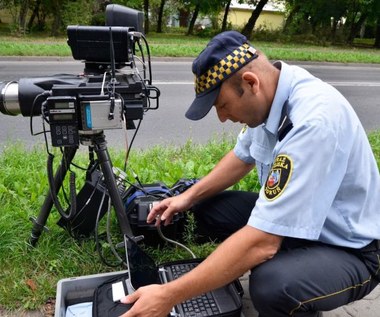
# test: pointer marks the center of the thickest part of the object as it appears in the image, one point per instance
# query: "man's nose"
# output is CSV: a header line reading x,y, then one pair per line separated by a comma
x,y
221,115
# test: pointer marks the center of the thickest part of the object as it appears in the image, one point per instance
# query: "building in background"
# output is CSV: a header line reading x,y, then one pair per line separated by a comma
x,y
271,18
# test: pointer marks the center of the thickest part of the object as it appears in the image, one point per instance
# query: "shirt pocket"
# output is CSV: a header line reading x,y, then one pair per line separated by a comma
x,y
264,158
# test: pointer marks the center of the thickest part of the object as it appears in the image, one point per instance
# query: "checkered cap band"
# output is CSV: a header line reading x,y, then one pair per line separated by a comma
x,y
224,68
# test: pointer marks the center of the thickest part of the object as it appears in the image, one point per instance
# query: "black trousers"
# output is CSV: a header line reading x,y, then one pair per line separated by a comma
x,y
304,277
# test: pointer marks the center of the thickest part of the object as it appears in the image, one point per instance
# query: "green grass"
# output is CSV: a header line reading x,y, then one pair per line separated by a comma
x,y
175,45
28,276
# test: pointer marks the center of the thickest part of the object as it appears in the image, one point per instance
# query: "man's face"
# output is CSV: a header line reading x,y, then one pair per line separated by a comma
x,y
245,104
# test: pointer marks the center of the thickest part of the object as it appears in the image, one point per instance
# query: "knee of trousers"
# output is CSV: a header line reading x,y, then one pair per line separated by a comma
x,y
271,290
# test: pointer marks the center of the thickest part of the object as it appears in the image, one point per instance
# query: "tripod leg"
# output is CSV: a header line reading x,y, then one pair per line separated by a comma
x,y
109,178
40,221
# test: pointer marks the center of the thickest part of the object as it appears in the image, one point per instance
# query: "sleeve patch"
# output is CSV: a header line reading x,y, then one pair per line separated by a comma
x,y
278,177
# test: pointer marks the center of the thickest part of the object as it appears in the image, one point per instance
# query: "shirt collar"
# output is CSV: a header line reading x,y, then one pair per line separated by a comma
x,y
281,96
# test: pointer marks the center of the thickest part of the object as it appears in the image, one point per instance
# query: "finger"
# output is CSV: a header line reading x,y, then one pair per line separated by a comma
x,y
130,299
158,221
166,217
155,211
151,216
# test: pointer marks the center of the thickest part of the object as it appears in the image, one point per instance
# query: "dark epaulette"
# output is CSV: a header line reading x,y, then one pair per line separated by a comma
x,y
285,123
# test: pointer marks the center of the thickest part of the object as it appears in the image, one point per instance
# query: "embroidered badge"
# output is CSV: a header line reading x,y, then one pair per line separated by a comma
x,y
278,177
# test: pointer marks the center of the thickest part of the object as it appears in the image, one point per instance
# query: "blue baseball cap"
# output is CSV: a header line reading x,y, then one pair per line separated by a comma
x,y
225,54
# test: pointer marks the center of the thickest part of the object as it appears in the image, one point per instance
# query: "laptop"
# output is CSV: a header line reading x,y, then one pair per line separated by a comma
x,y
225,301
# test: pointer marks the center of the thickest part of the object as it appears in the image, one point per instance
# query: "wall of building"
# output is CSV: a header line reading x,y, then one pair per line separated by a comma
x,y
268,19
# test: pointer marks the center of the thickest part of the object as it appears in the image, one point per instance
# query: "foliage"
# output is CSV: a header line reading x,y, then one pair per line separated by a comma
x,y
333,20
77,13
338,21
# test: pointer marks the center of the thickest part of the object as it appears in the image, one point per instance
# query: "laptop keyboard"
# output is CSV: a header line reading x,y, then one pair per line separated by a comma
x,y
200,306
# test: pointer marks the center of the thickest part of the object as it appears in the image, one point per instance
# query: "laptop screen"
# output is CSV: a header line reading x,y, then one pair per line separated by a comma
x,y
142,269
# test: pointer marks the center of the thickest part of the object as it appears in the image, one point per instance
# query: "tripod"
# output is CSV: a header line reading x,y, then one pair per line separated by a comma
x,y
98,142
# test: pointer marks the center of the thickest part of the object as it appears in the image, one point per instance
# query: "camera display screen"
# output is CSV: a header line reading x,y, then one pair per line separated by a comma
x,y
63,105
63,117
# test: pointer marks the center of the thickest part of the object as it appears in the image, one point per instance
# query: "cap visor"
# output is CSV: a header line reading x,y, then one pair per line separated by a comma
x,y
202,105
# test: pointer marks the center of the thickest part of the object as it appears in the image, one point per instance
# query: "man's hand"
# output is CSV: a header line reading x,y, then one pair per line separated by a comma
x,y
149,301
167,208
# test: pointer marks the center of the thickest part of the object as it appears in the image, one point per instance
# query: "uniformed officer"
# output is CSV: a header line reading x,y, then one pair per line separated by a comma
x,y
311,236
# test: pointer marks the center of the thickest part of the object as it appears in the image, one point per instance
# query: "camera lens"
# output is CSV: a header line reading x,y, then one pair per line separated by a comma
x,y
9,104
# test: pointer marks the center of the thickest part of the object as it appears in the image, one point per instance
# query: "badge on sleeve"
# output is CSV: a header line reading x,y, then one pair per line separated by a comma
x,y
278,177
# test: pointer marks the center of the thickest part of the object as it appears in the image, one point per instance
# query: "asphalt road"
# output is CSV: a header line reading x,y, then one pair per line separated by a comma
x,y
360,84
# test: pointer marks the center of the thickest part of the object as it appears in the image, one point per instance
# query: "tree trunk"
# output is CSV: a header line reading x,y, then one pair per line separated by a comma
x,y
248,28
146,16
224,23
184,18
160,15
333,30
290,17
22,16
57,18
193,19
34,14
377,38
355,27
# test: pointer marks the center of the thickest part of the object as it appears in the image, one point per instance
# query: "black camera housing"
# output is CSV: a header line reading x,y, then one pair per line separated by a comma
x,y
111,88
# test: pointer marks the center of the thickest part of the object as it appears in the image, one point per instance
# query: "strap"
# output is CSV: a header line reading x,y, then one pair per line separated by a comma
x,y
285,123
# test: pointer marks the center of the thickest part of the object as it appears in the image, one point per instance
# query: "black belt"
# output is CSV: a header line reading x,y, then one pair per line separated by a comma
x,y
373,246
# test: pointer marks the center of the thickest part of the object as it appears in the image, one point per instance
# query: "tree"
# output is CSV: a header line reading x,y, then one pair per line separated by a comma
x,y
206,7
356,16
35,14
146,16
323,18
18,10
377,38
160,15
193,19
375,17
248,28
225,16
24,6
294,8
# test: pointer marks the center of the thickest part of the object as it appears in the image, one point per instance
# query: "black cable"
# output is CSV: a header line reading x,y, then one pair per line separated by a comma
x,y
44,94
112,53
97,243
68,214
131,143
149,58
142,58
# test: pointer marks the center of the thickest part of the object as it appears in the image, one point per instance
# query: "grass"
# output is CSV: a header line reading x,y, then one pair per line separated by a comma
x,y
28,276
176,45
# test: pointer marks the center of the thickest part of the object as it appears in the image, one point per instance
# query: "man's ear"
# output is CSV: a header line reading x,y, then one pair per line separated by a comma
x,y
252,80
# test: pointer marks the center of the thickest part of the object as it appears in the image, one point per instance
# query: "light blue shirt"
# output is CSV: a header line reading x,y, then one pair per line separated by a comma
x,y
333,190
